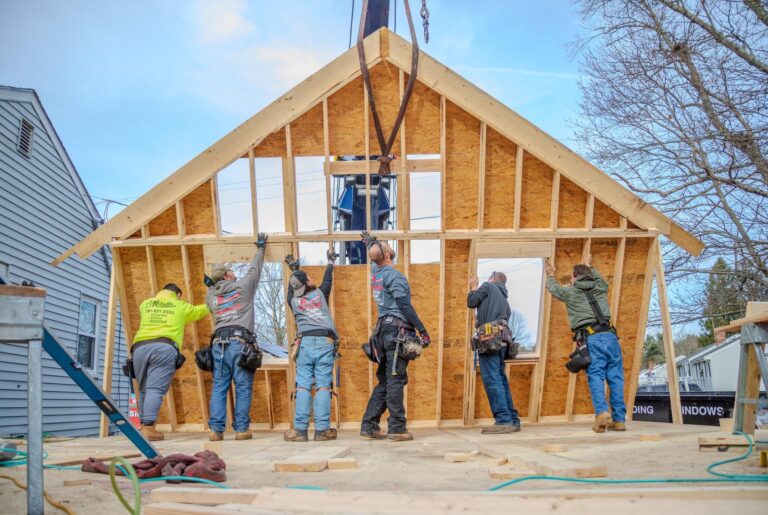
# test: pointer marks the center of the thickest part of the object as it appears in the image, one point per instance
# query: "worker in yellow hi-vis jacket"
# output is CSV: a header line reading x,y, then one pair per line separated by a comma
x,y
156,350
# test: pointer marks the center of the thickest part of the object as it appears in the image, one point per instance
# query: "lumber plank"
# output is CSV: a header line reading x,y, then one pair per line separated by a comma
x,y
99,457
342,463
313,460
518,187
254,196
554,465
669,347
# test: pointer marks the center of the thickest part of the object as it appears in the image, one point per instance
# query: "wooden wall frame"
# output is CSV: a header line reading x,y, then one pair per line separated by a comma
x,y
561,207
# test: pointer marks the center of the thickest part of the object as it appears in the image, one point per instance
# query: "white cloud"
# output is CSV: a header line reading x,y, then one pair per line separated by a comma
x,y
286,66
221,21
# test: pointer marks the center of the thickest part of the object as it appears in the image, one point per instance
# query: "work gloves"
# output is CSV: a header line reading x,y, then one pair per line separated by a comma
x,y
208,281
292,262
332,256
261,242
367,238
425,339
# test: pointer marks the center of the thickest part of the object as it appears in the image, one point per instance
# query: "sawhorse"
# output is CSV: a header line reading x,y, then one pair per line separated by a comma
x,y
752,364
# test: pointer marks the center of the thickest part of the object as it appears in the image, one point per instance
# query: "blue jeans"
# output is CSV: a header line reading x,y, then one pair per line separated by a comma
x,y
606,365
497,388
314,364
226,370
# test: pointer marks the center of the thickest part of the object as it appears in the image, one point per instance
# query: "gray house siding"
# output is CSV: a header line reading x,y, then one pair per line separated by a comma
x,y
42,213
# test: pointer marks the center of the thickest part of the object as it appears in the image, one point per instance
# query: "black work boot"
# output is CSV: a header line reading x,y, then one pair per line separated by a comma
x,y
324,436
296,435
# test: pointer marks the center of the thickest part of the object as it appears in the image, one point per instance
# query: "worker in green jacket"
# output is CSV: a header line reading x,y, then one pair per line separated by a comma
x,y
156,349
602,342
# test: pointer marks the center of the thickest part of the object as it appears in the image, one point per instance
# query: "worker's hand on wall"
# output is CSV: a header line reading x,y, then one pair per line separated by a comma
x,y
367,238
473,282
261,241
208,281
292,262
548,268
332,256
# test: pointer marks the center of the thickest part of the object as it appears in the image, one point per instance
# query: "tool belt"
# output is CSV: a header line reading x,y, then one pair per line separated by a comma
x,y
128,367
580,358
493,337
407,345
234,332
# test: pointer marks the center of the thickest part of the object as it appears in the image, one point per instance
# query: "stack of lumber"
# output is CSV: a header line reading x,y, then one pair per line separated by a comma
x,y
702,501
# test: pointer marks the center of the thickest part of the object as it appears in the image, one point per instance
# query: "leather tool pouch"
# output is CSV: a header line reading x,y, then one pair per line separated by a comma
x,y
128,369
250,358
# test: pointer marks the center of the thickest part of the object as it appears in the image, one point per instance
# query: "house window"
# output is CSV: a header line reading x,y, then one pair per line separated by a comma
x,y
24,143
5,271
87,329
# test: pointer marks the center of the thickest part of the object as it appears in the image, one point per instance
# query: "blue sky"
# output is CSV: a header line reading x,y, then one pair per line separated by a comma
x,y
136,89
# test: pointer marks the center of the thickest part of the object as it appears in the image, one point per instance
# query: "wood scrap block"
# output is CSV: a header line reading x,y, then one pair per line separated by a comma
x,y
456,457
313,460
217,447
342,463
726,425
652,437
510,472
721,442
77,482
555,447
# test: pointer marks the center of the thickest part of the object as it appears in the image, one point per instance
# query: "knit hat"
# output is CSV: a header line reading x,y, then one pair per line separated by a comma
x,y
298,282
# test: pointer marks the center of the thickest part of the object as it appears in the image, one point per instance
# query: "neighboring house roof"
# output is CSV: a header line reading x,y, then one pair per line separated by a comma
x,y
380,46
712,348
30,95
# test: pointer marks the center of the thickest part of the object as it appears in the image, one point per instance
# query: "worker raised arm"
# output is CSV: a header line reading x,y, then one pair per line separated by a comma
x,y
315,352
397,322
231,301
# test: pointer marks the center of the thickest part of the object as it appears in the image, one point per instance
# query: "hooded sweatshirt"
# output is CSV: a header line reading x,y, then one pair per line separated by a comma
x,y
165,316
231,302
576,303
490,300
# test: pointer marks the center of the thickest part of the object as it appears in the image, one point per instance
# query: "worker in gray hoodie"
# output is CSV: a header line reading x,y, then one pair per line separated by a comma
x,y
231,301
492,316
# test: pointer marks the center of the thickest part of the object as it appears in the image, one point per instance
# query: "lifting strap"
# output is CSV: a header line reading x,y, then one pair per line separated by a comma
x,y
386,144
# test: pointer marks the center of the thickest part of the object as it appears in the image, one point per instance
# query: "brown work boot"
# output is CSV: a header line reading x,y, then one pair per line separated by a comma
x,y
324,436
400,437
602,421
617,426
243,435
216,436
296,435
372,435
151,434
498,429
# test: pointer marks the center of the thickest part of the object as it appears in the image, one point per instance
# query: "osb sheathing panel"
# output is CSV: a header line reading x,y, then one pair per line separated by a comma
x,y
280,396
204,325
604,216
259,405
573,205
462,162
422,373
559,344
536,195
136,281
346,120
165,224
272,146
455,328
169,269
385,79
349,285
198,210
519,386
629,316
604,259
422,120
500,158
307,133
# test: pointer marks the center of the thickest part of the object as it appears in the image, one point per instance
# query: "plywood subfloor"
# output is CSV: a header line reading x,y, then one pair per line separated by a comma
x,y
384,465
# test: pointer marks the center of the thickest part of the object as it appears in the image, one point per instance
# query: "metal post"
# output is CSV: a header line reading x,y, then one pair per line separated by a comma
x,y
35,428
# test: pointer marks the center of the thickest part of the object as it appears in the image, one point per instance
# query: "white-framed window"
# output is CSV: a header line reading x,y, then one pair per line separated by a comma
x,y
5,271
87,332
26,133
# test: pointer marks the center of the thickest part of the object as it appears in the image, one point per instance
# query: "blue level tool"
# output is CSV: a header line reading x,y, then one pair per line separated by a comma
x,y
86,383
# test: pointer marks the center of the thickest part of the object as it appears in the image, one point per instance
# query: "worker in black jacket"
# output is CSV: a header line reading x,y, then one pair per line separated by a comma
x,y
397,318
490,303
